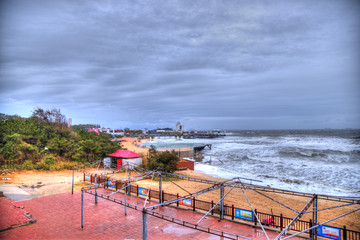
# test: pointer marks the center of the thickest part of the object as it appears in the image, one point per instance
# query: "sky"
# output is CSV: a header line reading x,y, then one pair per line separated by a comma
x,y
236,64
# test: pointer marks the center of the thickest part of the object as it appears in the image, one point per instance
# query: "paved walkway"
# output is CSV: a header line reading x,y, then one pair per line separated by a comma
x,y
59,217
14,192
12,216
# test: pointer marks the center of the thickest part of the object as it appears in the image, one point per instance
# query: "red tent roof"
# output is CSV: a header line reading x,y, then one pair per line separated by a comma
x,y
124,154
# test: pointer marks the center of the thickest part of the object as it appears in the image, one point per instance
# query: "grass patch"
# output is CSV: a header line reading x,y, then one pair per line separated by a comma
x,y
47,163
167,179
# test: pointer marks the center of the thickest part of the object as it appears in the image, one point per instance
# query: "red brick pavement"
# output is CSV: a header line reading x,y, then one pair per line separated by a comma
x,y
11,216
59,217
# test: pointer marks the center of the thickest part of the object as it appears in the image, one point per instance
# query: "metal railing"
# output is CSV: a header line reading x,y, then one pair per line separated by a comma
x,y
279,222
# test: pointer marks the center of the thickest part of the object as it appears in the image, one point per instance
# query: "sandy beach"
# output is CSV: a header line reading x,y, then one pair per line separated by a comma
x,y
134,145
131,145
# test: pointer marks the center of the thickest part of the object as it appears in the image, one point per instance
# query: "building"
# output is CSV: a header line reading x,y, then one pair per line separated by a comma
x,y
120,158
179,127
186,163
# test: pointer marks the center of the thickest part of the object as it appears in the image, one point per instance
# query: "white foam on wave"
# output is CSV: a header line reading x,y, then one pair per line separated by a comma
x,y
291,185
214,171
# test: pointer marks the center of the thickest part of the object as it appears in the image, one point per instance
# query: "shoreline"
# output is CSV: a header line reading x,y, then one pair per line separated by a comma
x,y
131,145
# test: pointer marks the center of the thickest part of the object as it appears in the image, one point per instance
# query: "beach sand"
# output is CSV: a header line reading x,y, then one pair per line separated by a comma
x,y
132,144
261,203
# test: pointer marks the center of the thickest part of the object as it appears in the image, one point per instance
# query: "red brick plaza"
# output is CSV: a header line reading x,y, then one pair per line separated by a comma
x,y
59,217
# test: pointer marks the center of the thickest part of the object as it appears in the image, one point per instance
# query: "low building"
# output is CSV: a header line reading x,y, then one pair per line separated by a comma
x,y
120,158
186,163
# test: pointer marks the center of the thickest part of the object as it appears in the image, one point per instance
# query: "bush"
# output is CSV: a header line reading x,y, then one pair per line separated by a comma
x,y
164,161
40,166
27,165
50,160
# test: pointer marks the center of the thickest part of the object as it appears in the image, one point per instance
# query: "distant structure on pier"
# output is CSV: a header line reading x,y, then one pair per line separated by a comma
x,y
179,127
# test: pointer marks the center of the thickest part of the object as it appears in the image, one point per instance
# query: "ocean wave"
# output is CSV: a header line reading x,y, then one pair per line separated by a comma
x,y
326,162
327,155
292,181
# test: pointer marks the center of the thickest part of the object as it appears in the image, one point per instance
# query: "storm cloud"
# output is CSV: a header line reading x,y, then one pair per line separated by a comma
x,y
210,64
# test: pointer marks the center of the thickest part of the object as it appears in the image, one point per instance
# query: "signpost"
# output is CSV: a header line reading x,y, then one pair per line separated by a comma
x,y
143,191
186,202
243,214
111,184
329,232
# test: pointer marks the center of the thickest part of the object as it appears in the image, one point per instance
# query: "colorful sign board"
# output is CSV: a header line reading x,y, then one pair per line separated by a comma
x,y
88,178
111,184
186,202
243,214
329,232
143,191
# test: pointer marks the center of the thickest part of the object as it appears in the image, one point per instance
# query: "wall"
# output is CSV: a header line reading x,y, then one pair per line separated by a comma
x,y
136,161
186,163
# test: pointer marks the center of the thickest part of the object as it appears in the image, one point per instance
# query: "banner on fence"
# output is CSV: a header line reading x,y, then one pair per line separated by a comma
x,y
329,232
243,214
88,178
143,191
186,202
112,184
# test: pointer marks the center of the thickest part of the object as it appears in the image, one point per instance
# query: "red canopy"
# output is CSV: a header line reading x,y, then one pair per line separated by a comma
x,y
124,154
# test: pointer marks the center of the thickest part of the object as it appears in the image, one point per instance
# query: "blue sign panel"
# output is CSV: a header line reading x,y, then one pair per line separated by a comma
x,y
243,214
112,184
87,178
143,191
329,232
186,202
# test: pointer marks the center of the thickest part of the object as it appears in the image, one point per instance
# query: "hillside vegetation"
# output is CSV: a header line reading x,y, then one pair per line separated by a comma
x,y
44,141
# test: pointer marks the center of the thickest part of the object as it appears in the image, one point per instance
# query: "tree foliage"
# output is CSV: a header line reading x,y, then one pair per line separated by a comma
x,y
165,161
46,134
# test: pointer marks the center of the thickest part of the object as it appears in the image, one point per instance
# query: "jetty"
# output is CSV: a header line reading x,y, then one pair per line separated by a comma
x,y
202,147
203,135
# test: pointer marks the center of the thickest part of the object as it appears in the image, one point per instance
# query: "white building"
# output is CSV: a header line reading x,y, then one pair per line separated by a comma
x,y
179,127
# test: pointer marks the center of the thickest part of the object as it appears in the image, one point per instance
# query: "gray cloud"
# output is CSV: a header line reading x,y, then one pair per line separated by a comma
x,y
239,64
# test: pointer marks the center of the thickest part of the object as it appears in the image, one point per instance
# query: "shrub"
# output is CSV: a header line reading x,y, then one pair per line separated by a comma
x,y
165,161
27,165
50,160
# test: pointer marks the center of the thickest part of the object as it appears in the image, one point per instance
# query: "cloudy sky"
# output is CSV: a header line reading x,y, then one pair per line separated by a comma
x,y
210,64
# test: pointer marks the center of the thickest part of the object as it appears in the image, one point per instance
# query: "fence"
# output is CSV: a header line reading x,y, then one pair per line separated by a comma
x,y
278,222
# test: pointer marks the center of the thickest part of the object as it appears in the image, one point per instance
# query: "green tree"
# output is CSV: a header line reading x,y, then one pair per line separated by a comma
x,y
24,139
165,161
16,149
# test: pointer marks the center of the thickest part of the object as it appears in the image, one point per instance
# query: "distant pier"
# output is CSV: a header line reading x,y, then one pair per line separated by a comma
x,y
202,147
203,135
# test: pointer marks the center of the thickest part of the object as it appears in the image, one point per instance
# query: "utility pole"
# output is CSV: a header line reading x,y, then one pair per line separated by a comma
x,y
222,202
161,200
314,218
144,224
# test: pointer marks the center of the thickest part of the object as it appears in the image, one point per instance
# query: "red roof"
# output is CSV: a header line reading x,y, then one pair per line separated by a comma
x,y
124,154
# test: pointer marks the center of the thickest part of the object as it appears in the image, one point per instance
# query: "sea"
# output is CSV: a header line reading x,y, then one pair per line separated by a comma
x,y
311,161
